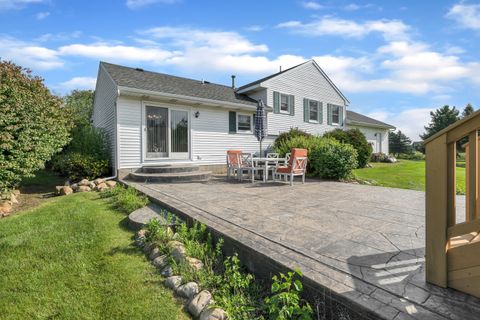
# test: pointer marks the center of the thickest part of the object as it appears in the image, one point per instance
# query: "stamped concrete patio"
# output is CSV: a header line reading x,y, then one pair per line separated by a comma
x,y
364,245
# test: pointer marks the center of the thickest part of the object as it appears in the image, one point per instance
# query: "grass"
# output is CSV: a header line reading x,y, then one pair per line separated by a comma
x,y
71,258
405,174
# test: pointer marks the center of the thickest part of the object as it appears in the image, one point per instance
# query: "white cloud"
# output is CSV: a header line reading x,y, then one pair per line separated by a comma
x,y
79,83
60,36
42,15
410,121
466,15
331,26
354,6
135,4
312,5
254,28
18,4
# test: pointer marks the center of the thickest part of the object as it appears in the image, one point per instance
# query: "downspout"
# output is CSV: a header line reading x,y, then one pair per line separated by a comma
x,y
115,170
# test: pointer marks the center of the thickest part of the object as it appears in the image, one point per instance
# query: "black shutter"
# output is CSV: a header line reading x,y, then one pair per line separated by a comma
x,y
232,122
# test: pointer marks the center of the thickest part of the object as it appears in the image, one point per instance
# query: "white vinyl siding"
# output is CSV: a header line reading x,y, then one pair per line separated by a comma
x,y
104,109
305,81
377,137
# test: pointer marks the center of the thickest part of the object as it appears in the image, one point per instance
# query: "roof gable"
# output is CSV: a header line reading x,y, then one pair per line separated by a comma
x,y
355,118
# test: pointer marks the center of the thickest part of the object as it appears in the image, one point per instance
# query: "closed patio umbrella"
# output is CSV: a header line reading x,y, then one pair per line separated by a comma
x,y
260,123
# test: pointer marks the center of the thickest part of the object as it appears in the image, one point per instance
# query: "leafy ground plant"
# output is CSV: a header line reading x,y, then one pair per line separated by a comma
x,y
124,199
285,302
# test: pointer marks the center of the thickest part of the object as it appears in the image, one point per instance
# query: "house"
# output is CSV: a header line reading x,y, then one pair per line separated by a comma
x,y
153,118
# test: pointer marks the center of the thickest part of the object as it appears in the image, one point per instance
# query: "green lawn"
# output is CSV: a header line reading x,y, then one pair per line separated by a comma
x,y
405,174
72,258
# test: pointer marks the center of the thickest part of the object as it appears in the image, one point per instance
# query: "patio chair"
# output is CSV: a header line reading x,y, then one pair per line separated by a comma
x,y
273,155
272,168
247,164
233,163
297,166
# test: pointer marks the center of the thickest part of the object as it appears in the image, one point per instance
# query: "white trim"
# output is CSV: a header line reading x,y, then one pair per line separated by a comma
x,y
338,122
309,109
169,107
251,122
280,103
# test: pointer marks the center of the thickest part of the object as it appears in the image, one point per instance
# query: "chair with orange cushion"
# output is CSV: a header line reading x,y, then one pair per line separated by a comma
x,y
233,163
297,166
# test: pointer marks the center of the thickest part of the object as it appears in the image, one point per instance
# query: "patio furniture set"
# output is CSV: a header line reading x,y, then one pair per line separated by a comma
x,y
240,164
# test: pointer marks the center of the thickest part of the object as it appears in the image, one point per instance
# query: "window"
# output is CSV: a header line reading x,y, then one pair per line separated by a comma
x,y
284,107
244,123
335,114
313,106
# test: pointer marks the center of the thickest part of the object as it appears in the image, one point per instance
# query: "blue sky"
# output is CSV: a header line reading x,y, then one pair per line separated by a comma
x,y
394,60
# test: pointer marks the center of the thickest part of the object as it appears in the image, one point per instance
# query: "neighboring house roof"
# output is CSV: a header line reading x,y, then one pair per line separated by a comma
x,y
354,118
258,82
164,83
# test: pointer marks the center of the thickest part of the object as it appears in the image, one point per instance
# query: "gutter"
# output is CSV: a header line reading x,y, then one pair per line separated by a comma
x,y
364,124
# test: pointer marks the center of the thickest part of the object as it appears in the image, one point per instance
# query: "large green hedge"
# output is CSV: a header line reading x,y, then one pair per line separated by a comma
x,y
356,139
33,124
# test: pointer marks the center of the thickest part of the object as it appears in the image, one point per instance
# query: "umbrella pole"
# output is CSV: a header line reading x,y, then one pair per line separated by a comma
x,y
261,149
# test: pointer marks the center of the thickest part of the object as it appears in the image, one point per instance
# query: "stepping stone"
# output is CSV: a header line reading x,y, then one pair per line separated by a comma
x,y
140,217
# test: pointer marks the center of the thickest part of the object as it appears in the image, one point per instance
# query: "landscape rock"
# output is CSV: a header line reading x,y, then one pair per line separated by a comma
x,y
74,187
101,186
148,247
194,263
13,198
84,182
99,181
177,250
16,192
154,253
65,190
5,208
199,302
141,234
91,185
213,314
57,189
84,189
187,290
160,261
111,183
173,282
167,271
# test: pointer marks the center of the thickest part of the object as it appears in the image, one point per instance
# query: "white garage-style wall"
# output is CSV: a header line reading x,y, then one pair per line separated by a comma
x,y
377,137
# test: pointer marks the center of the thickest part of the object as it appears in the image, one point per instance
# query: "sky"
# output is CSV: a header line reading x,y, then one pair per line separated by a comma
x,y
394,60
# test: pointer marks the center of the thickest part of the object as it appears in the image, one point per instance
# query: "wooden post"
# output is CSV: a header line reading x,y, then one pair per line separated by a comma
x,y
436,202
451,184
472,176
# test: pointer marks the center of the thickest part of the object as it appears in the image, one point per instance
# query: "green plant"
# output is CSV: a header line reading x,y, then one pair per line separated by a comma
x,y
331,159
356,139
285,302
79,104
417,156
124,199
33,124
282,140
304,142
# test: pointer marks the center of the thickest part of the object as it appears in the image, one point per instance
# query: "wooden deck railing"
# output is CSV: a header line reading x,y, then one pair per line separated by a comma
x,y
441,213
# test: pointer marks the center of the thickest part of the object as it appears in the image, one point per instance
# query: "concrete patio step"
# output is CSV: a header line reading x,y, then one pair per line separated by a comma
x,y
171,168
196,176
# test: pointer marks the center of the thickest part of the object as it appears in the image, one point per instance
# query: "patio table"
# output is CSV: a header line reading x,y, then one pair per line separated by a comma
x,y
266,163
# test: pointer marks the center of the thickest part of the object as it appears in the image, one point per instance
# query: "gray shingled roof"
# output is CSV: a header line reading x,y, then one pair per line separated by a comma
x,y
154,81
359,119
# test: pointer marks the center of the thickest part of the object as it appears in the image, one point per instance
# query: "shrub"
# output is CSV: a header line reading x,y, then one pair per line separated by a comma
x,y
33,125
285,302
126,200
304,142
87,155
416,155
356,139
331,159
279,144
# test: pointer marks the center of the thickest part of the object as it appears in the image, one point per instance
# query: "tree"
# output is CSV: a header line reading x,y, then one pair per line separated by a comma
x,y
468,110
399,143
79,103
440,119
33,124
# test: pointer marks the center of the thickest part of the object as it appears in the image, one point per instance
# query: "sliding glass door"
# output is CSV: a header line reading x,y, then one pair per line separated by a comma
x,y
167,133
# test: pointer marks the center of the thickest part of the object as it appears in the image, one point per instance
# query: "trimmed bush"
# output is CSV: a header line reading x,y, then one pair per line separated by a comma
x,y
331,159
86,157
304,142
416,155
33,124
282,141
356,139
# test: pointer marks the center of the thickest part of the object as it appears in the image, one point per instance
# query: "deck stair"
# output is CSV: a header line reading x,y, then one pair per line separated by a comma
x,y
171,174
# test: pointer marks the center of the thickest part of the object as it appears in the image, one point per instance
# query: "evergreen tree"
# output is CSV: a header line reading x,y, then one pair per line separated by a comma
x,y
440,119
399,143
468,110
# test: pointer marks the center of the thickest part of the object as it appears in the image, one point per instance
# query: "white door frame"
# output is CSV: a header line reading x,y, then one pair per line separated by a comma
x,y
170,155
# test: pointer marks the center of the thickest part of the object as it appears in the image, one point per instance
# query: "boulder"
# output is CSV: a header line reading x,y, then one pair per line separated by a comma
x,y
99,181
74,187
199,302
194,263
177,250
57,189
16,192
84,182
111,183
213,314
160,261
101,186
187,290
91,185
148,247
141,234
167,271
13,199
173,282
66,191
5,208
83,189
154,253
